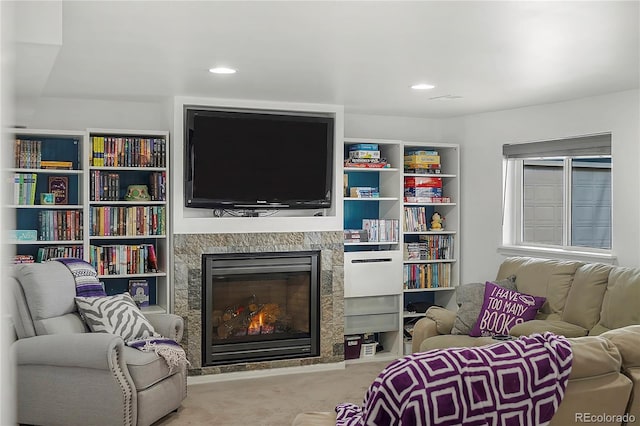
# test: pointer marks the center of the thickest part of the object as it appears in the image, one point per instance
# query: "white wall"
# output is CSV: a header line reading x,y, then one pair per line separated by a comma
x,y
481,138
80,114
389,127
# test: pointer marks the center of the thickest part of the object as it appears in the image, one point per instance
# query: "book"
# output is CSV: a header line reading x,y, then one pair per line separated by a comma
x,y
139,290
364,154
152,259
59,185
364,147
50,164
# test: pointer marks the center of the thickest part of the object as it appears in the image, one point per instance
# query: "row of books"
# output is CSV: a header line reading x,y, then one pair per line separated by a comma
x,y
128,151
53,252
60,225
123,259
127,220
24,188
431,275
27,153
382,230
431,247
158,186
105,186
415,219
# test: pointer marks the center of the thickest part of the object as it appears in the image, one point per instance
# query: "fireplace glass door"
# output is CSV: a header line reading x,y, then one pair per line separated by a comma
x,y
260,306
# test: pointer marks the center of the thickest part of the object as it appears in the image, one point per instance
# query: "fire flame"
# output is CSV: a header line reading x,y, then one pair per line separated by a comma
x,y
256,322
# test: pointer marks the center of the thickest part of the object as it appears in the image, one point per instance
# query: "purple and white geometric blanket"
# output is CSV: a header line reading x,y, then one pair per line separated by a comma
x,y
518,382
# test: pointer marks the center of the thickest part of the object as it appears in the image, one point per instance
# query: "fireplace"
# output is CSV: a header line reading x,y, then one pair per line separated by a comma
x,y
260,306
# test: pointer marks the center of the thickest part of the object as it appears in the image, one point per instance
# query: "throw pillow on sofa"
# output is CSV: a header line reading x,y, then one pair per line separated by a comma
x,y
117,315
469,298
502,309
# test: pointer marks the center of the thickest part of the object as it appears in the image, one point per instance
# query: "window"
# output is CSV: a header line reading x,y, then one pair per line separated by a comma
x,y
558,193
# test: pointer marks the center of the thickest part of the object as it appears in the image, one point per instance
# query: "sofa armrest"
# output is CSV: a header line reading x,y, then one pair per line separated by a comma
x,y
77,350
443,318
437,321
168,325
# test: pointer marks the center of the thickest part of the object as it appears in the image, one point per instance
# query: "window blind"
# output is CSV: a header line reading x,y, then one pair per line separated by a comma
x,y
599,144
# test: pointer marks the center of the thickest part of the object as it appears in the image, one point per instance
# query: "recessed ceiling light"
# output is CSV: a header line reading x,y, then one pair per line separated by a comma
x,y
422,86
222,70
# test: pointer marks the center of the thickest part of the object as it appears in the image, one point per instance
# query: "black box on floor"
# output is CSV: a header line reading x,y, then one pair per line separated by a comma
x,y
352,346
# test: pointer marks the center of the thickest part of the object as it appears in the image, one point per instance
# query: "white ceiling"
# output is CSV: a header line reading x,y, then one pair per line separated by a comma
x,y
363,55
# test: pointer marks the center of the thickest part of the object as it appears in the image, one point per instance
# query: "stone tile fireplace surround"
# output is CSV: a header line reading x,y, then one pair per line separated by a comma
x,y
187,257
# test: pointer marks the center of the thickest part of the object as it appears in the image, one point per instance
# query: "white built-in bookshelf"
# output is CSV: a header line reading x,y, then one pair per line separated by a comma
x,y
419,264
125,236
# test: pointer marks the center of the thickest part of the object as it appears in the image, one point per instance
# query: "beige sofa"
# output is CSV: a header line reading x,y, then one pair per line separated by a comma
x,y
604,381
595,305
582,299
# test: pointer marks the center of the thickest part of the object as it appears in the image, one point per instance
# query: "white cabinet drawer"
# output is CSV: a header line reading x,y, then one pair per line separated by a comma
x,y
372,273
389,304
371,323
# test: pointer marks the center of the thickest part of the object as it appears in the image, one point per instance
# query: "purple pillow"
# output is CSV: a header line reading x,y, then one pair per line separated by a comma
x,y
502,309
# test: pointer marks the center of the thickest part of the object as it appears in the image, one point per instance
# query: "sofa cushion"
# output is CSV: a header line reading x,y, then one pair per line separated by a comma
x,y
469,298
559,327
593,356
547,278
117,315
618,308
444,341
502,309
146,368
584,300
627,340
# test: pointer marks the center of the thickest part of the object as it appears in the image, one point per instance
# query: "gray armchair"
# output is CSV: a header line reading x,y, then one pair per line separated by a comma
x,y
67,375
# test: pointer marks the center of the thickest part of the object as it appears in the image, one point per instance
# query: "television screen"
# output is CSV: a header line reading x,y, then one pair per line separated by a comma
x,y
239,159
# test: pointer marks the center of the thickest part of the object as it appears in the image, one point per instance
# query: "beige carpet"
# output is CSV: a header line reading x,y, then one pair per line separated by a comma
x,y
272,401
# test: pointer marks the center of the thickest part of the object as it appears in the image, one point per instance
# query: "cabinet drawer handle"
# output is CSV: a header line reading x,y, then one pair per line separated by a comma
x,y
386,259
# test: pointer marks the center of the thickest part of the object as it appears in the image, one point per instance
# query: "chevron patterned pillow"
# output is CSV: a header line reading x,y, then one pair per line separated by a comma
x,y
116,315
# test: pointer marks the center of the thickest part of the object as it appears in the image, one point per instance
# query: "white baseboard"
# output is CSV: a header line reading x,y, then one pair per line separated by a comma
x,y
240,375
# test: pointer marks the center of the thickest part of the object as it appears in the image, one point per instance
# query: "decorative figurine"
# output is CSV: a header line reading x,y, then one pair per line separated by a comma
x,y
437,222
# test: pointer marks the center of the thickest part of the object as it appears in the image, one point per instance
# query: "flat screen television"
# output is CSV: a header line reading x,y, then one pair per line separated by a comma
x,y
236,159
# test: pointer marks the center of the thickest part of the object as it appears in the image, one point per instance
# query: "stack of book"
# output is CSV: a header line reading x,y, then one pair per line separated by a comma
x,y
56,165
364,192
355,236
424,190
365,155
422,161
23,258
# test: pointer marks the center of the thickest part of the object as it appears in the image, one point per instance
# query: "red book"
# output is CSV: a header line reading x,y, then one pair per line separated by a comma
x,y
152,259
